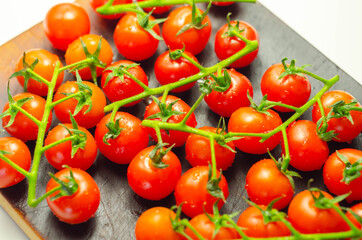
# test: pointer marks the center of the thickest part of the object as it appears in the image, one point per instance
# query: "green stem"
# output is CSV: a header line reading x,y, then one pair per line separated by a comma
x,y
44,196
158,134
271,103
286,158
15,166
213,158
237,228
164,96
345,218
113,115
323,80
47,147
323,113
65,99
290,227
188,225
144,86
195,63
31,117
70,66
192,109
38,77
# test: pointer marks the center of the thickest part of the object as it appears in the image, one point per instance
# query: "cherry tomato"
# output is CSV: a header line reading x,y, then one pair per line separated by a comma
x,y
228,46
225,103
86,120
252,223
22,127
98,3
60,155
249,120
157,10
132,41
155,223
132,139
358,210
20,155
64,23
44,67
307,151
222,3
75,53
198,151
80,206
261,180
195,40
293,89
149,181
174,137
307,218
205,228
169,71
117,89
345,129
191,191
333,174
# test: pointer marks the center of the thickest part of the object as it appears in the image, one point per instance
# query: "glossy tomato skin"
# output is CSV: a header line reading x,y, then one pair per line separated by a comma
x,y
345,129
307,218
44,67
228,46
23,128
75,53
80,206
60,155
205,228
225,103
20,155
98,3
198,151
86,120
261,180
64,23
175,137
358,210
117,89
169,71
248,120
157,10
307,151
194,40
333,174
155,224
252,223
150,182
191,191
222,3
132,41
124,148
293,89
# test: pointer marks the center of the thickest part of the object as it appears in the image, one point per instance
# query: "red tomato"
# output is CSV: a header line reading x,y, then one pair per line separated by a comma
x,y
228,46
191,191
169,71
222,3
158,10
175,137
358,210
252,223
261,180
117,89
80,206
193,39
64,23
307,218
132,41
225,103
345,129
20,155
124,148
86,120
98,3
205,228
149,181
60,155
155,224
198,151
75,53
44,67
293,90
333,174
249,120
24,128
307,151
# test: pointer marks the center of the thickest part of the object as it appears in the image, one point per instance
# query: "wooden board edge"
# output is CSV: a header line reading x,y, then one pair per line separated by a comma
x,y
19,219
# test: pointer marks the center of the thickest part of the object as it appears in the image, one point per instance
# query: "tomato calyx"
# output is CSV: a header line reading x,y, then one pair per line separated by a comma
x,y
233,30
289,174
355,215
222,82
196,19
158,153
176,54
212,185
147,25
351,171
269,214
65,188
292,69
264,104
113,131
119,72
322,202
165,111
223,141
342,109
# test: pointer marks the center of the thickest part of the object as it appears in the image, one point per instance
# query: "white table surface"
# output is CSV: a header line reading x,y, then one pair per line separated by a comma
x,y
332,26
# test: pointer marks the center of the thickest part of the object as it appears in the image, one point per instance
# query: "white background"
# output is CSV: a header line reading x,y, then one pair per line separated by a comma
x,y
332,26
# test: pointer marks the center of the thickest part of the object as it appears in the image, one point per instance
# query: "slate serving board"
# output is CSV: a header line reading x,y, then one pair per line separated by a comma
x,y
120,207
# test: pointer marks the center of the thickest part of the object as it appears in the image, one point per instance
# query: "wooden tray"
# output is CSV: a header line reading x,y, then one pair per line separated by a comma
x,y
120,207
